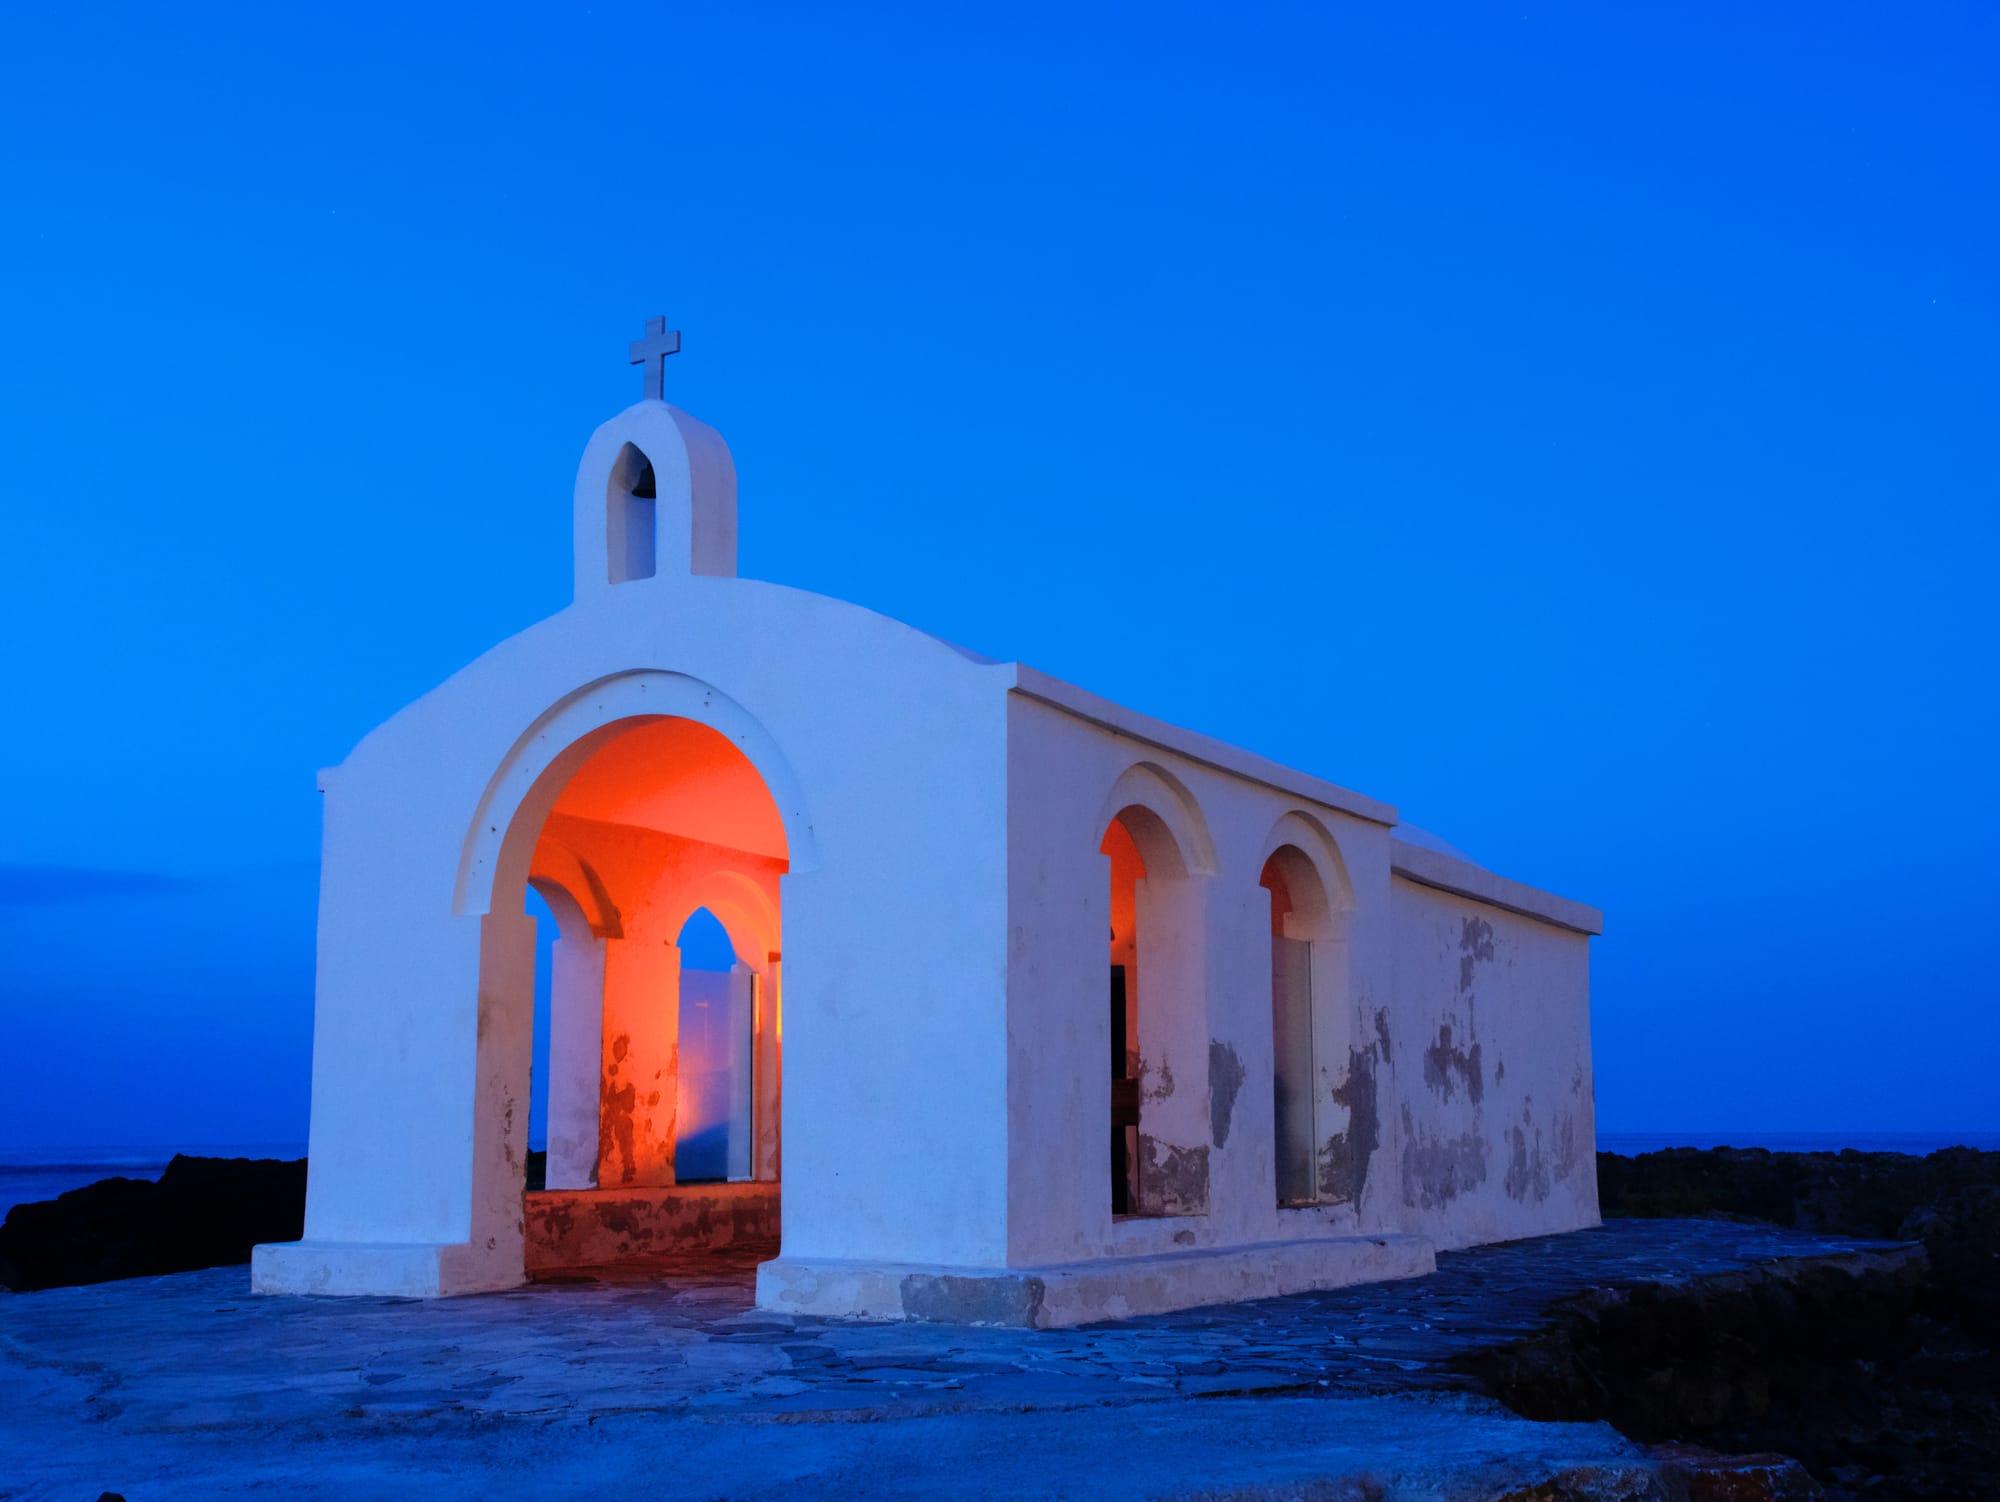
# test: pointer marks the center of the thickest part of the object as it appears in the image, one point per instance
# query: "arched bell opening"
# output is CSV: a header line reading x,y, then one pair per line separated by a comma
x,y
631,530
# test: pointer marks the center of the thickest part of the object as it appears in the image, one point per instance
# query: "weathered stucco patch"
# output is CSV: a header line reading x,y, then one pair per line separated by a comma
x,y
973,1301
616,1104
1527,1170
1225,1078
1158,1081
1475,943
1565,1135
585,1228
1382,1034
1344,1157
1172,1180
1437,1170
1446,1067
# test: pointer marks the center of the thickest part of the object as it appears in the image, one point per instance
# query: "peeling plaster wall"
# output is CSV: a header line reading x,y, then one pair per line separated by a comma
x,y
1061,770
1491,1090
1419,998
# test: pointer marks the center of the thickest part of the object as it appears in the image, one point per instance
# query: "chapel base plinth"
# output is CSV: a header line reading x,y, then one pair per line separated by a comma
x,y
410,1270
1081,1293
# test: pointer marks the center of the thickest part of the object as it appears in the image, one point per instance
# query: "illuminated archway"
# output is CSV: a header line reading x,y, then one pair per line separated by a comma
x,y
1159,855
501,838
654,817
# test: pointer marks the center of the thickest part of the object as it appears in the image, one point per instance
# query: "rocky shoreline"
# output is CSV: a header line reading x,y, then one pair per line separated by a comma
x,y
1881,1375
1872,1369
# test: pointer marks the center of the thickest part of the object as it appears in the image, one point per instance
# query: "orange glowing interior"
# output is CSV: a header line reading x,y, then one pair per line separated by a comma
x,y
1273,881
681,778
666,818
1128,869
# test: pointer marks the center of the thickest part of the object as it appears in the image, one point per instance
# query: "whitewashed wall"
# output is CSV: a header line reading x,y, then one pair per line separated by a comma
x,y
1490,1079
1382,996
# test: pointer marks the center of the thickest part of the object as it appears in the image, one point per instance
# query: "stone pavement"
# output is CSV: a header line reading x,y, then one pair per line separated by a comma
x,y
188,1386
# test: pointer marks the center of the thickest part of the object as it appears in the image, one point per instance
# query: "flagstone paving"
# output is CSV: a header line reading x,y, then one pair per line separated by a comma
x,y
146,1373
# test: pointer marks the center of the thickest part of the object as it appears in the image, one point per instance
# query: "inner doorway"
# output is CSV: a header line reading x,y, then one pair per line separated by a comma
x,y
656,1068
713,1140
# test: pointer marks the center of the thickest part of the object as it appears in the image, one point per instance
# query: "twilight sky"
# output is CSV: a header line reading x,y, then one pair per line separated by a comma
x,y
1578,426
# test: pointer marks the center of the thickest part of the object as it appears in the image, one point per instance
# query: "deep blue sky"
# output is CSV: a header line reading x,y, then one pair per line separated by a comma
x,y
1575,425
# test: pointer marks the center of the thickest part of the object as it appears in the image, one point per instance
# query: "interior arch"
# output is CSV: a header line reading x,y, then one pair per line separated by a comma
x,y
1165,820
500,841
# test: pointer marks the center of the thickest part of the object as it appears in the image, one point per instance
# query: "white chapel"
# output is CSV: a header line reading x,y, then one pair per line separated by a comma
x,y
1216,1029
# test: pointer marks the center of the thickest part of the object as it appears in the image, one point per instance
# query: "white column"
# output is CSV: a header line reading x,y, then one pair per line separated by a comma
x,y
503,1048
1174,985
642,1022
742,1073
769,1073
576,1061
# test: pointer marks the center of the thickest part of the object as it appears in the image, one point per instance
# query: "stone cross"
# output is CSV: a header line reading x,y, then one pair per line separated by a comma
x,y
652,352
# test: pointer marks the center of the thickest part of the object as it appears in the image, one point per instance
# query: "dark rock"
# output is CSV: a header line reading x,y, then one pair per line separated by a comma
x,y
1581,1484
1668,1361
1876,1372
203,1212
1680,1473
1844,1194
1704,1476
1961,1235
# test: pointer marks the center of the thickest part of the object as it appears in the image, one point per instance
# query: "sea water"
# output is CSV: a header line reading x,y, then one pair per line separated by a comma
x,y
1916,1144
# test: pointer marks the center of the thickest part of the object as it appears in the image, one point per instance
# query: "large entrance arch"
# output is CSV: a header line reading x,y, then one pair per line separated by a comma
x,y
626,824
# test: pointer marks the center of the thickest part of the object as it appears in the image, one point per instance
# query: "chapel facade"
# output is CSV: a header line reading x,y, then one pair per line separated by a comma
x,y
1040,1011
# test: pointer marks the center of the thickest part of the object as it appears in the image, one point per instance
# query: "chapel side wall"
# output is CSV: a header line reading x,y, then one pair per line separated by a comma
x,y
1491,1088
1061,770
894,1089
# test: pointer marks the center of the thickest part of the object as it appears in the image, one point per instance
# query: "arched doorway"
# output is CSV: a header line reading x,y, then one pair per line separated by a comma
x,y
1310,1012
1158,1018
659,853
713,1137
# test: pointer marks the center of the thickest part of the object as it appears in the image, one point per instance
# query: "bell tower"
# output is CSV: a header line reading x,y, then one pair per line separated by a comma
x,y
656,491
